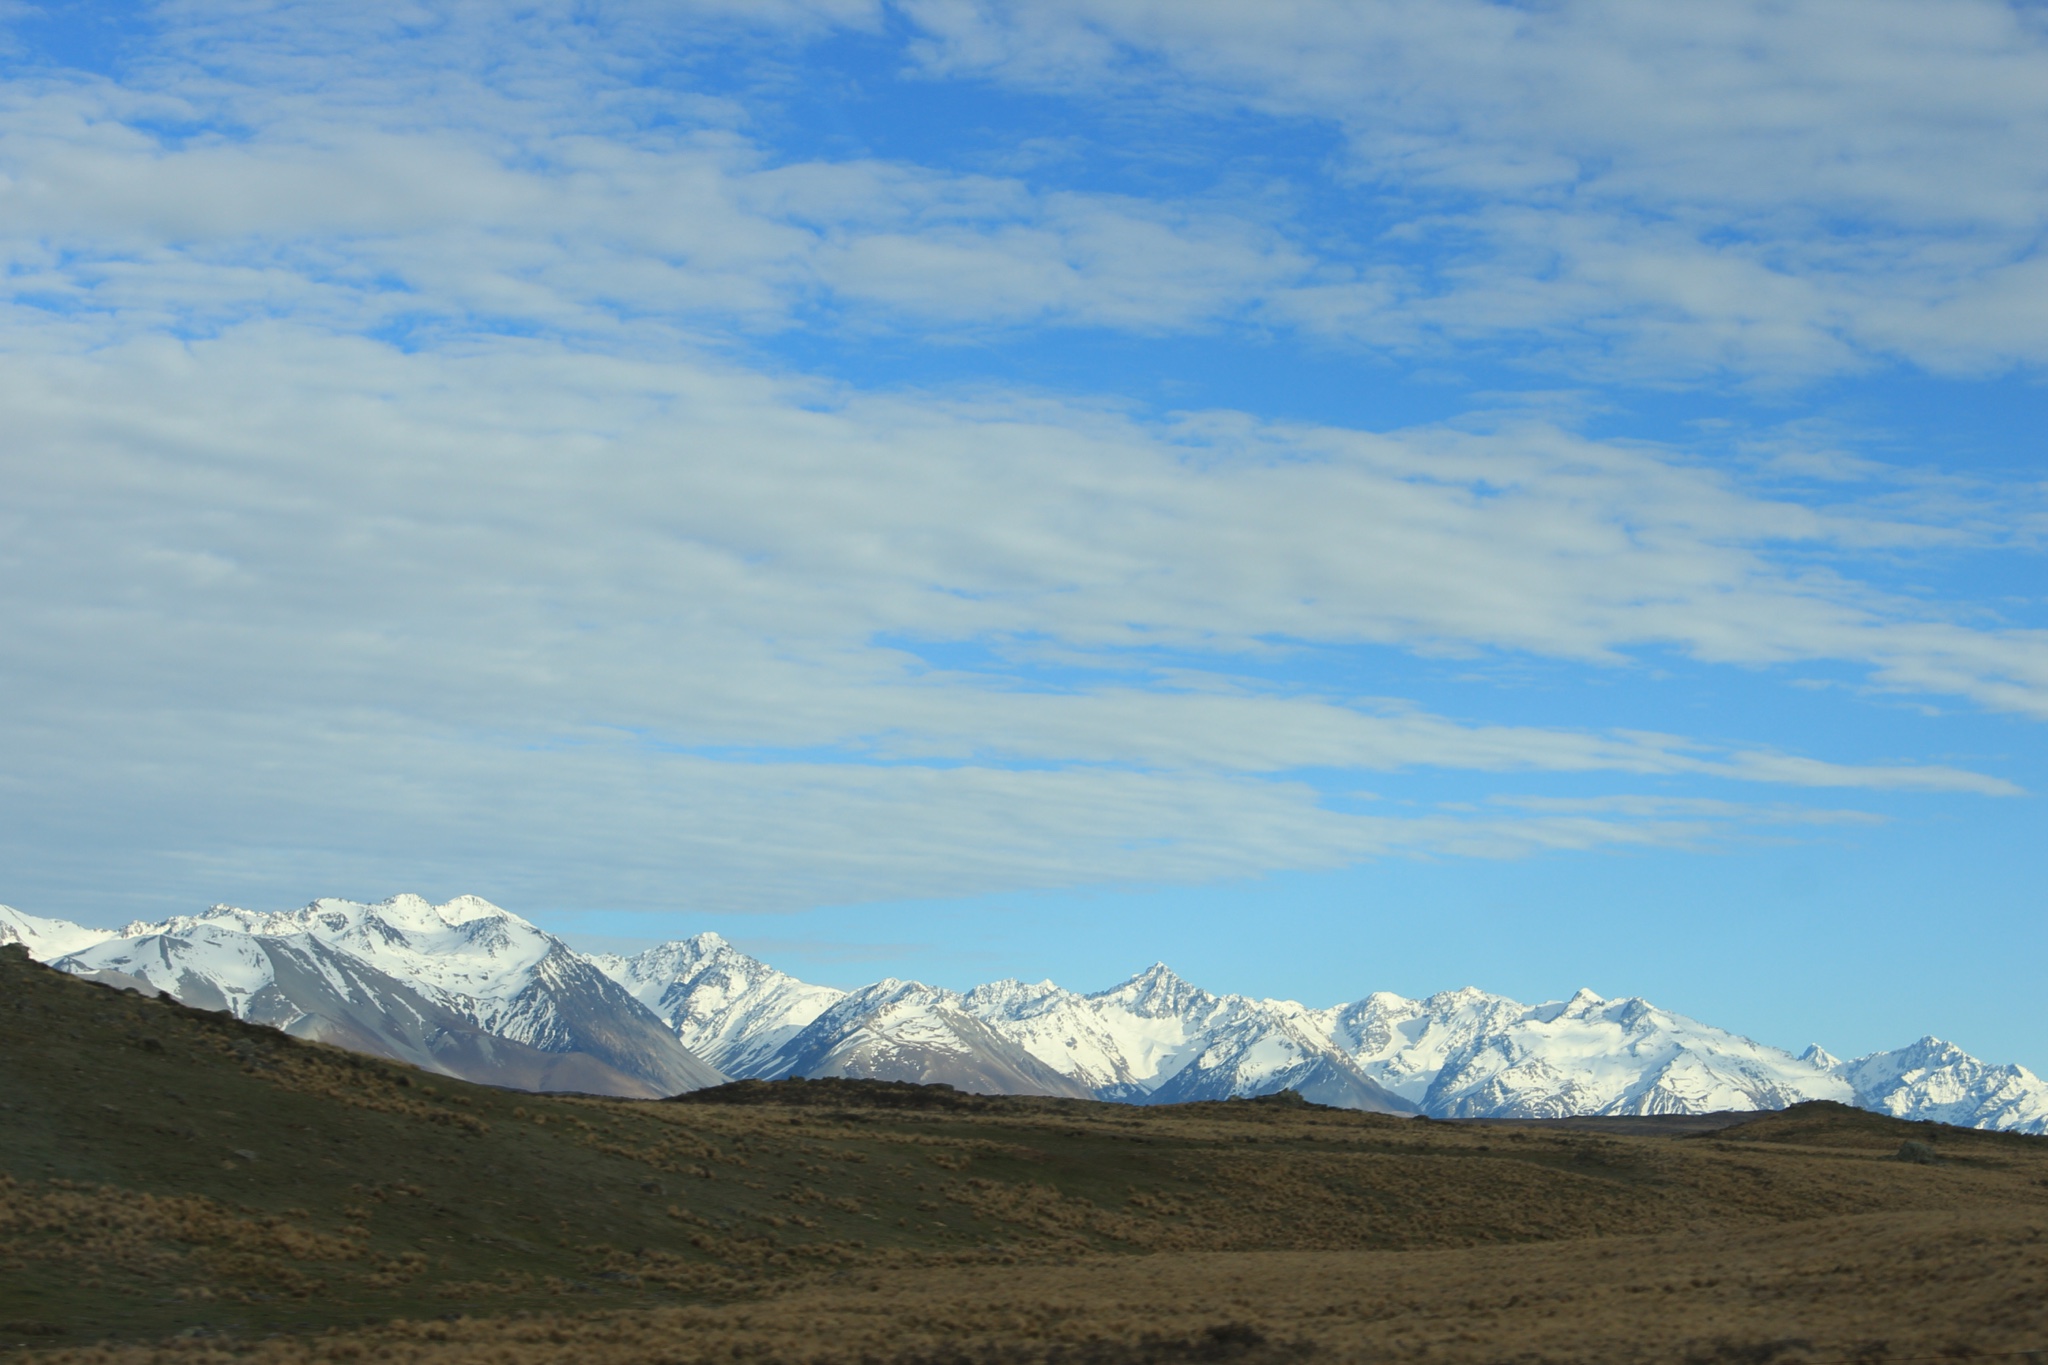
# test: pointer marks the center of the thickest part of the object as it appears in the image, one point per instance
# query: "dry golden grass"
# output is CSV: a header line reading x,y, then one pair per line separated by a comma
x,y
1870,1288
169,1170
186,1244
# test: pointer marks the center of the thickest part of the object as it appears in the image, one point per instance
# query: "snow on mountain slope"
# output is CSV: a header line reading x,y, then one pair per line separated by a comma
x,y
1935,1080
206,966
308,989
1111,1051
1161,1022
467,947
1403,1044
472,989
477,971
1259,1052
1157,1039
46,939
1468,1054
904,1030
732,1010
1586,1055
568,1005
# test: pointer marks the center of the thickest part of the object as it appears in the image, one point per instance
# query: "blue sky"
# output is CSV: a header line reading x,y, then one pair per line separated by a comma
x,y
1335,497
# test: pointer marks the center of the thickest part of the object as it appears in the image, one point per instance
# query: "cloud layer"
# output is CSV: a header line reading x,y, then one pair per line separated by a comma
x,y
1662,189
405,449
330,566
1653,194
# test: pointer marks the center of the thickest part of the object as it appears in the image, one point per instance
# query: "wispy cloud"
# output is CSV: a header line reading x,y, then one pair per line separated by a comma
x,y
1651,194
689,497
1736,187
394,421
478,592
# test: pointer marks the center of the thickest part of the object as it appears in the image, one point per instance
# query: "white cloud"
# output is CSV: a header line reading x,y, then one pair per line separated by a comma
x,y
1890,108
1744,186
1656,192
364,225
345,800
699,499
552,582
987,517
462,594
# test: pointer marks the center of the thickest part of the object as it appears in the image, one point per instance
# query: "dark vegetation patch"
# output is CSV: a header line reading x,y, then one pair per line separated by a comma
x,y
838,1092
841,1092
1632,1125
1824,1123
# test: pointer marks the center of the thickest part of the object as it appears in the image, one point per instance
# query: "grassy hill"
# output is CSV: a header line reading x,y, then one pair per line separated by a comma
x,y
166,1170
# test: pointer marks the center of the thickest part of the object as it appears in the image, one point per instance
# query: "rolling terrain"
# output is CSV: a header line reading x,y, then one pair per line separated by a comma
x,y
168,1171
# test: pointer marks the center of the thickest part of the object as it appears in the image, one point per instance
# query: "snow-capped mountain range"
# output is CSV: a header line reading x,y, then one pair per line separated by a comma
x,y
463,988
471,990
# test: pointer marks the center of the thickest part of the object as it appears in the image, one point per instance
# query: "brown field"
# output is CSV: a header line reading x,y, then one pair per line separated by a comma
x,y
1869,1289
178,1186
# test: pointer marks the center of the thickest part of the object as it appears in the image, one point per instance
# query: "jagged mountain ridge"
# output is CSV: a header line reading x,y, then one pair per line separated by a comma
x,y
501,982
732,1010
1935,1080
1158,1039
1467,1054
1463,1053
905,1030
464,988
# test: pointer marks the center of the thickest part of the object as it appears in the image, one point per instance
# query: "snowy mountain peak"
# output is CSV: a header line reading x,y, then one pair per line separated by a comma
x,y
666,963
708,945
733,1010
892,990
408,911
1818,1056
1933,1079
465,908
1583,1004
907,1030
1155,993
1460,998
1009,996
416,914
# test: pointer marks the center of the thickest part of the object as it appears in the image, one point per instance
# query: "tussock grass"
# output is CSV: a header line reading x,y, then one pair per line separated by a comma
x,y
1870,1289
170,1170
